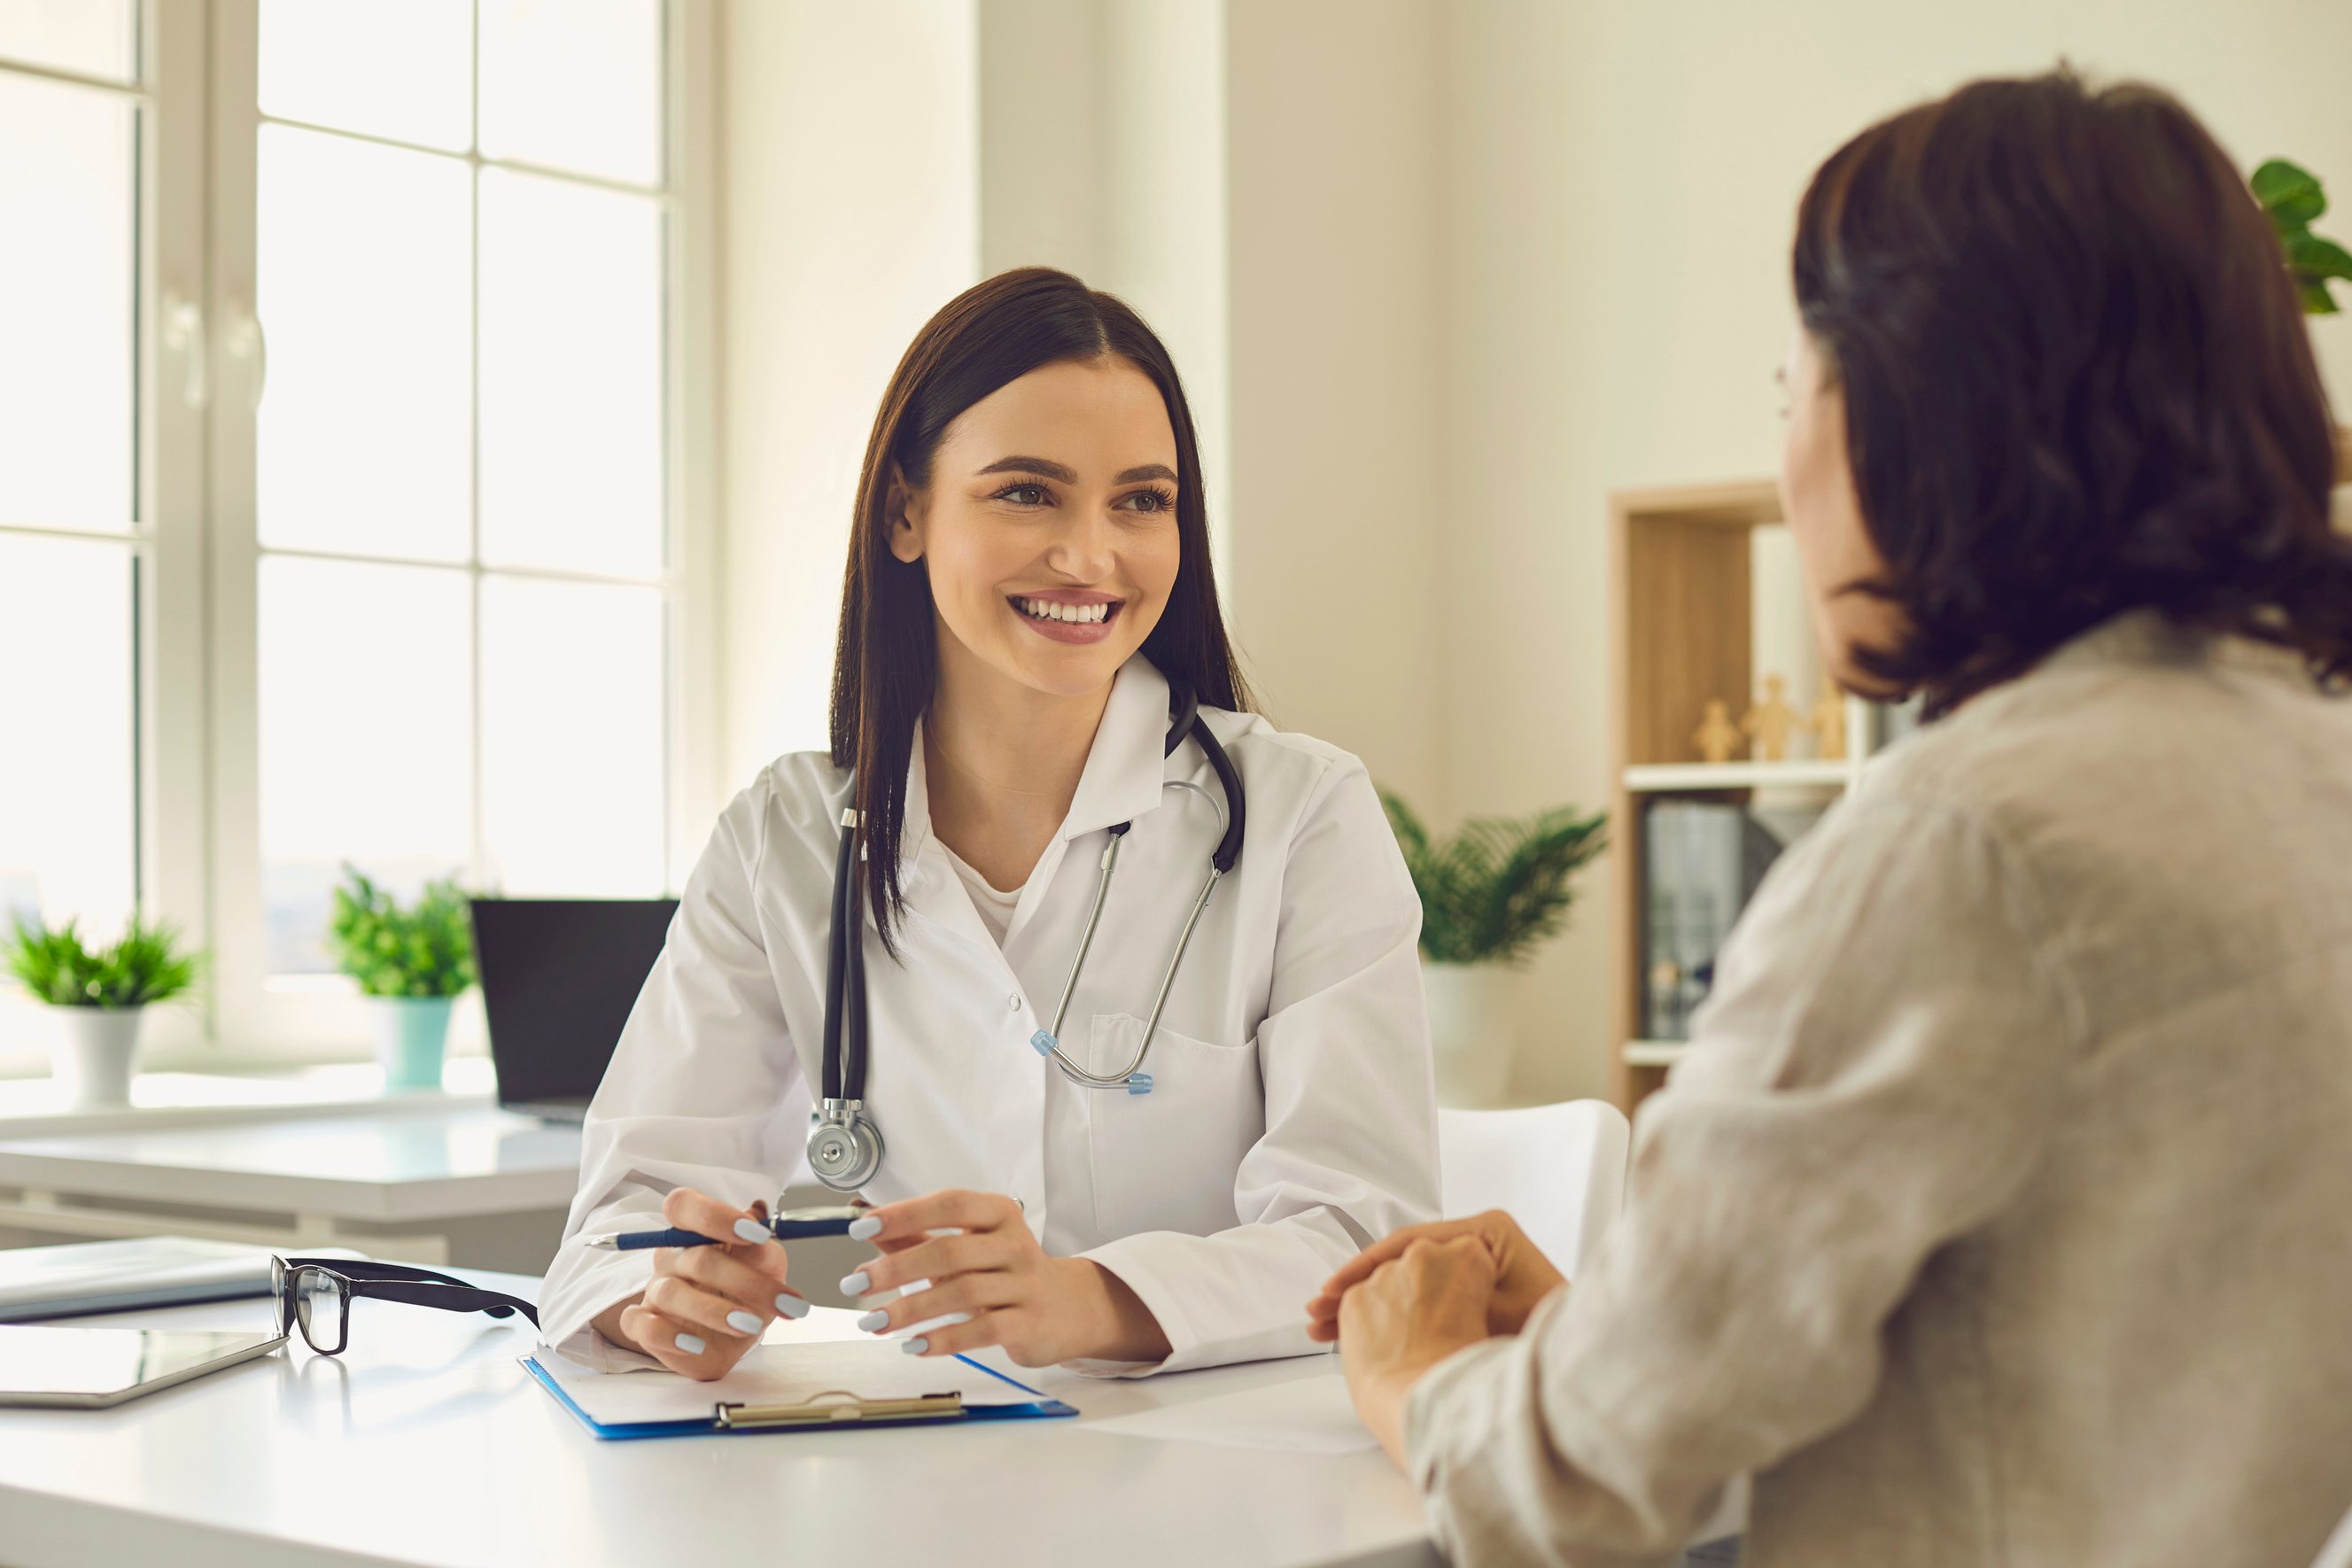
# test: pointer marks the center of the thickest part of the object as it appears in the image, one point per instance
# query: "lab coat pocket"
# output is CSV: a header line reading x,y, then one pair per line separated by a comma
x,y
1167,1159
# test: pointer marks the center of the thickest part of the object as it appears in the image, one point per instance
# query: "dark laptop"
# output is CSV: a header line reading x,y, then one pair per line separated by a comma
x,y
559,977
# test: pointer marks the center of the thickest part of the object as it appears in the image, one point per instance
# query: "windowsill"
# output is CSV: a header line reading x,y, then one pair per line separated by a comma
x,y
34,1107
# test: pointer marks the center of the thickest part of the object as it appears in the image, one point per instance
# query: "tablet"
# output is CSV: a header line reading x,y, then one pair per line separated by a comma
x,y
90,1369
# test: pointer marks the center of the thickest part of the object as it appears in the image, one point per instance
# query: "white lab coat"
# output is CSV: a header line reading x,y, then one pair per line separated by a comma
x,y
1292,1119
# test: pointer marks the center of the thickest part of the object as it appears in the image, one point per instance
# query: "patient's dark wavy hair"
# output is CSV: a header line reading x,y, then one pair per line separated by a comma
x,y
2077,381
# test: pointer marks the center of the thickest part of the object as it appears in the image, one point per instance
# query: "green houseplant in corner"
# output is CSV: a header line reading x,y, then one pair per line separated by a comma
x,y
2292,197
1489,895
411,963
100,996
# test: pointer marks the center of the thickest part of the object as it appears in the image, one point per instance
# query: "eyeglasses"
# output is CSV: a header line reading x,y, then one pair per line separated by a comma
x,y
316,1294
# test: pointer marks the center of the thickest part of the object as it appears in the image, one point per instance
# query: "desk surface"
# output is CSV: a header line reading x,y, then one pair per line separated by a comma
x,y
426,1444
419,1163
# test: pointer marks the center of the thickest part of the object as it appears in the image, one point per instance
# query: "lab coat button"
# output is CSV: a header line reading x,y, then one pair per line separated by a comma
x,y
1013,1001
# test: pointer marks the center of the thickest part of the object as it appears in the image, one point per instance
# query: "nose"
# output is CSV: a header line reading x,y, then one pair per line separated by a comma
x,y
1083,546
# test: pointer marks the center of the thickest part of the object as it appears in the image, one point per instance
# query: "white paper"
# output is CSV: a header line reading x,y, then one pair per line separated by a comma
x,y
1306,1416
777,1373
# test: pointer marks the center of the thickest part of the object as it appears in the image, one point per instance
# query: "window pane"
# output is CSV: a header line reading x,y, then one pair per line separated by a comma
x,y
364,437
397,68
66,305
67,831
573,791
366,719
94,37
571,376
574,86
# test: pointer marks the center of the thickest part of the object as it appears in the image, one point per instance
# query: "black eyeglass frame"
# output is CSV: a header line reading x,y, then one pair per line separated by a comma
x,y
352,1278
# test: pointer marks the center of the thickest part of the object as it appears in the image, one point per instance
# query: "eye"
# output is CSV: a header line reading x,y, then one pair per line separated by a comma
x,y
1024,494
1150,500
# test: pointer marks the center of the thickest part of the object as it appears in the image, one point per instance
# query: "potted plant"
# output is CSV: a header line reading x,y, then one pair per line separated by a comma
x,y
1489,896
100,996
410,963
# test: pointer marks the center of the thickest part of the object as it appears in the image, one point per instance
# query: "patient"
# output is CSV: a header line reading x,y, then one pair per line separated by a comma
x,y
2002,1211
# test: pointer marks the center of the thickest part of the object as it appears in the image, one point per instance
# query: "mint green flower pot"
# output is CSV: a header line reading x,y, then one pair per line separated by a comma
x,y
411,1033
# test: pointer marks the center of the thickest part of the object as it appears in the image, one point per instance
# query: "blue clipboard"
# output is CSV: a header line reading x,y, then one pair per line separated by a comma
x,y
848,1416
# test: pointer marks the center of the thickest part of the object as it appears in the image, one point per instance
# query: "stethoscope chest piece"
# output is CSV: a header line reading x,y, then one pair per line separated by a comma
x,y
844,1146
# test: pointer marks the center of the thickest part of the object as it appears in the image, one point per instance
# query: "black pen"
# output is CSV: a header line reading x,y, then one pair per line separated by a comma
x,y
789,1225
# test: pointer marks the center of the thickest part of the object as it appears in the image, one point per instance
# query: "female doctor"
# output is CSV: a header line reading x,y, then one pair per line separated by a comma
x,y
1029,632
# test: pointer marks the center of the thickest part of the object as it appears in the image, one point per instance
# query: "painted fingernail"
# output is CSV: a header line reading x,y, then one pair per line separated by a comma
x,y
874,1322
865,1229
691,1344
855,1284
752,1230
915,1346
743,1323
793,1306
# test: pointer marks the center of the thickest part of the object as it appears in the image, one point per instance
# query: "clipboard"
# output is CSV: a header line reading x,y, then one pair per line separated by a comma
x,y
830,1410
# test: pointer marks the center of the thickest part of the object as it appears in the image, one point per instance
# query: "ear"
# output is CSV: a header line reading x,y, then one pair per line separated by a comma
x,y
901,512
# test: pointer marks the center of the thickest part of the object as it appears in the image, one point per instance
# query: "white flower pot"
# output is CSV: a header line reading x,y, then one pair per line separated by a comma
x,y
1469,1030
93,1052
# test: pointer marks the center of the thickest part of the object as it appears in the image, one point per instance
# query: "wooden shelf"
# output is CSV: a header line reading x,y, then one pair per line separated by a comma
x,y
1654,1053
1677,778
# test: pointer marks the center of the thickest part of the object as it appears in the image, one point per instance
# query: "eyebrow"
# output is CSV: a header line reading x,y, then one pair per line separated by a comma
x,y
1069,476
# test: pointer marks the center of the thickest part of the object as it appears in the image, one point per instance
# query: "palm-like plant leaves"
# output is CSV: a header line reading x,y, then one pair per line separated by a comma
x,y
56,967
1497,887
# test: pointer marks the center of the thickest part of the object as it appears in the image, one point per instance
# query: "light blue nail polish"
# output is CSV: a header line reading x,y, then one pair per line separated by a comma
x,y
874,1322
865,1229
742,1322
855,1284
752,1230
915,1346
791,1306
691,1344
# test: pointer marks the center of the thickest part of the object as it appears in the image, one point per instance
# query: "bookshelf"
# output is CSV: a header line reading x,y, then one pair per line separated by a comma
x,y
1700,608
1688,597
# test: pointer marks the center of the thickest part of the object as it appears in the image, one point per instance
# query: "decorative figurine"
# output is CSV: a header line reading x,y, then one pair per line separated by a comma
x,y
1770,723
1829,724
1717,736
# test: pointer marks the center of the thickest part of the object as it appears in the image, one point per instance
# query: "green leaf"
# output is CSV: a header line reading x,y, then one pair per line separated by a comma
x,y
2315,297
2290,194
1498,887
2313,256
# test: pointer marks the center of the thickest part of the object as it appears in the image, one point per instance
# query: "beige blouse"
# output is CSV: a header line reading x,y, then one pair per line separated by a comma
x,y
2002,1213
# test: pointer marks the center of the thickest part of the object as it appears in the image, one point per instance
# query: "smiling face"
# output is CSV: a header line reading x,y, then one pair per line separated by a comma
x,y
1048,527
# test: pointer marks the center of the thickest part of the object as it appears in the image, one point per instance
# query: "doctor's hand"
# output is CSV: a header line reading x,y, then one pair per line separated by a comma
x,y
1523,1274
976,1263
1425,1302
705,1306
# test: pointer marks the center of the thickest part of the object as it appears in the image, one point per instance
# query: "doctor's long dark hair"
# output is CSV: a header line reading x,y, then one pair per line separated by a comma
x,y
887,657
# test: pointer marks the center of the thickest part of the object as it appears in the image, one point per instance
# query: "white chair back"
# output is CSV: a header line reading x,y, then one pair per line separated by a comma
x,y
2337,1552
1559,1169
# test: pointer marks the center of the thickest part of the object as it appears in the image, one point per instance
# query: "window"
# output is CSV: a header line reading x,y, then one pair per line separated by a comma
x,y
73,535
357,379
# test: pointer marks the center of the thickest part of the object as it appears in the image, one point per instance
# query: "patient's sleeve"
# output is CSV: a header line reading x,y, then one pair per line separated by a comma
x,y
1873,1077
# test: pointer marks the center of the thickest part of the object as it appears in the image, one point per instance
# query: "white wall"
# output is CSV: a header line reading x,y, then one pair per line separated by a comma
x,y
1340,523
1440,275
850,213
1622,182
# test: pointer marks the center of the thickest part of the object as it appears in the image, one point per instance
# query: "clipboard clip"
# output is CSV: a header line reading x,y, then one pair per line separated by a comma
x,y
837,1406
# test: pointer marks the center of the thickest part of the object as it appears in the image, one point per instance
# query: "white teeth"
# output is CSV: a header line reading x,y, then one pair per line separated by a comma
x,y
1054,610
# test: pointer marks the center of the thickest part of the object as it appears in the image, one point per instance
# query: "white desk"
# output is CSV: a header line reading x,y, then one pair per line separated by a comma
x,y
422,1179
426,1444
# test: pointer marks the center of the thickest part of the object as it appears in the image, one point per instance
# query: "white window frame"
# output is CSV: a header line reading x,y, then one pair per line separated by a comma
x,y
198,789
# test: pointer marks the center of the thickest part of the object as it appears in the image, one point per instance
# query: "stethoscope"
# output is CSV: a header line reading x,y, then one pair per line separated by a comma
x,y
844,1145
